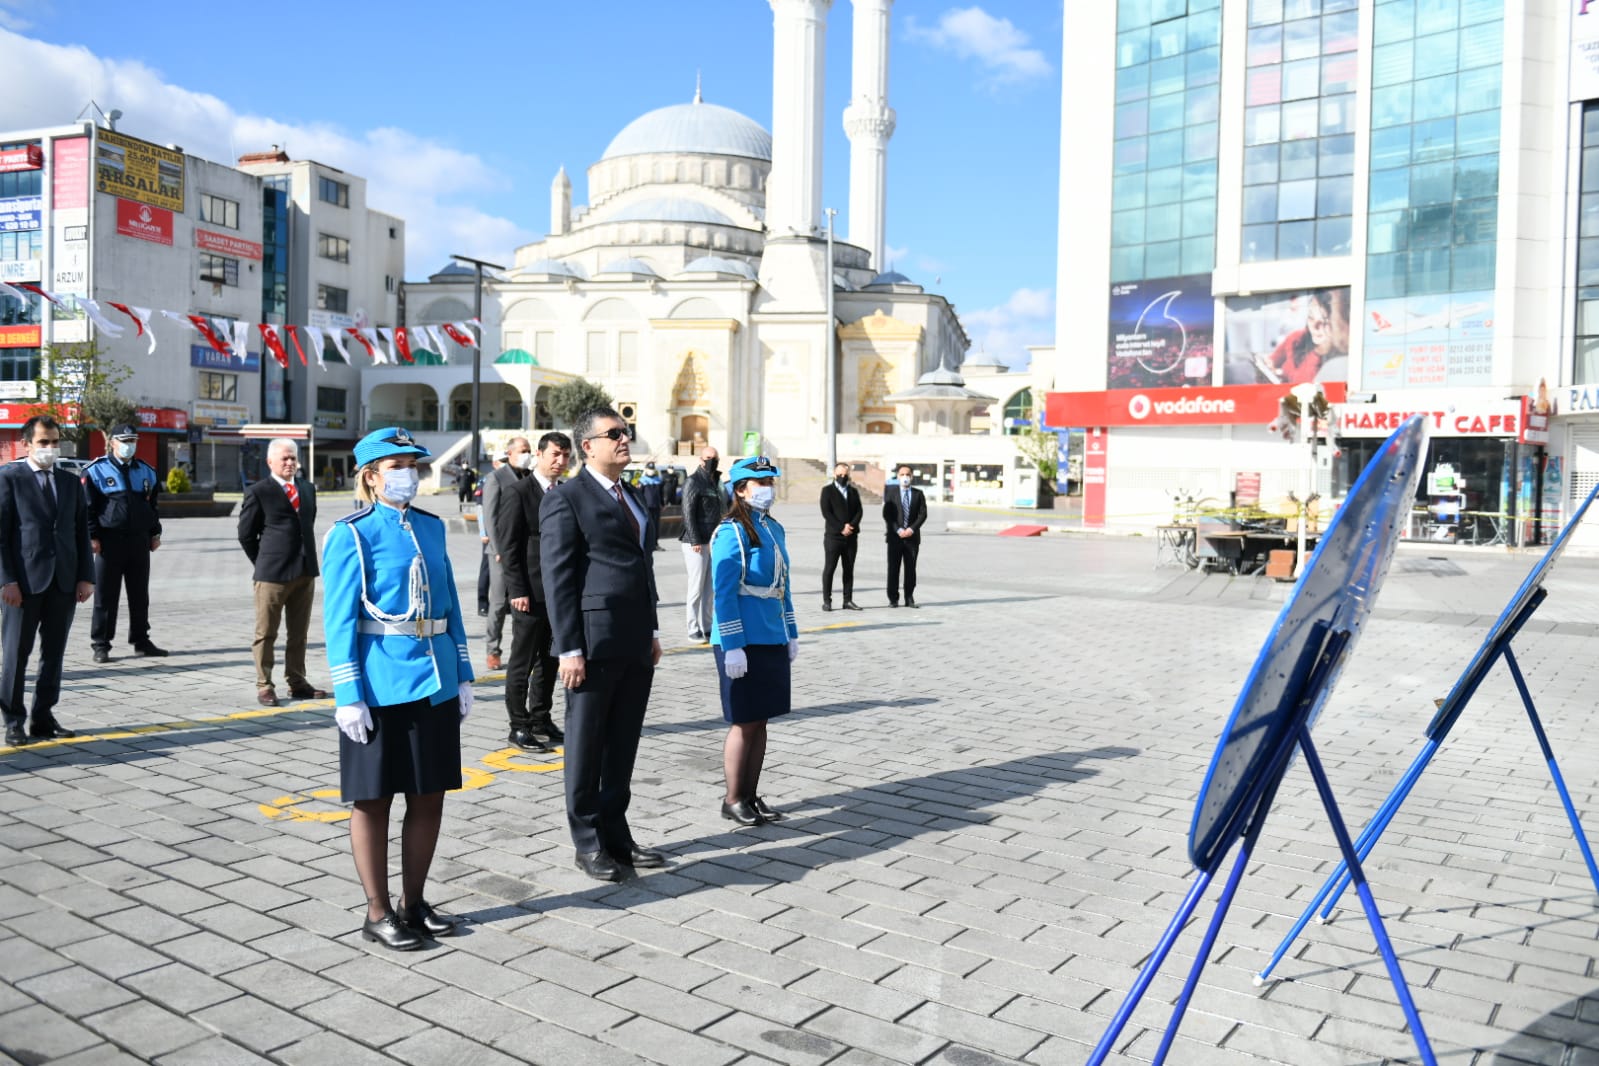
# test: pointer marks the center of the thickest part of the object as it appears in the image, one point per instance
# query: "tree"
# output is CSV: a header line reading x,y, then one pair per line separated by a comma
x,y
576,396
1042,449
77,385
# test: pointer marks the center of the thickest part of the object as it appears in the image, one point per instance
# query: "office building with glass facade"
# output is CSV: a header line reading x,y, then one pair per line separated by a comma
x,y
1394,200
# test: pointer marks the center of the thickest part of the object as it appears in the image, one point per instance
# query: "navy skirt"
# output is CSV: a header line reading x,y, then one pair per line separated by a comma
x,y
760,694
414,748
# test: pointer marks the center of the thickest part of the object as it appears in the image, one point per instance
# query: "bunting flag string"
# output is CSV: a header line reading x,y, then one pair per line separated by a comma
x,y
314,335
459,335
92,309
369,337
371,349
269,335
52,297
294,338
338,345
402,345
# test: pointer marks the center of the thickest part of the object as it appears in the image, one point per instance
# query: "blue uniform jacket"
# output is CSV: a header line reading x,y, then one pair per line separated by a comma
x,y
390,668
741,618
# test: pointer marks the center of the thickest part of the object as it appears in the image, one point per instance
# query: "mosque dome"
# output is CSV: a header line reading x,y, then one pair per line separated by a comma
x,y
982,359
714,264
630,266
551,267
452,270
670,209
695,128
892,277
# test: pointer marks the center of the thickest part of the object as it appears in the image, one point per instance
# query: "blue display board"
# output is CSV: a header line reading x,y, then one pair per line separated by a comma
x,y
1334,595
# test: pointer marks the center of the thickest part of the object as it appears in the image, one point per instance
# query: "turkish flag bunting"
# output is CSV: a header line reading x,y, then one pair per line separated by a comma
x,y
294,338
103,324
209,334
338,344
40,292
141,319
269,334
370,336
402,344
368,345
318,345
459,334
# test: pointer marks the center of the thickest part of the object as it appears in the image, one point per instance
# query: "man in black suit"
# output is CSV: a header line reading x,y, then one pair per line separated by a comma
x,y
511,468
46,570
841,519
517,533
904,511
277,527
599,585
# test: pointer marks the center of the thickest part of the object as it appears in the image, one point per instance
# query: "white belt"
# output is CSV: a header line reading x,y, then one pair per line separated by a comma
x,y
761,592
421,627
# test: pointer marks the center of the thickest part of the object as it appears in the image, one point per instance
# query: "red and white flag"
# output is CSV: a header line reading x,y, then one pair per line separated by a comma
x,y
370,349
269,335
370,338
338,345
318,345
459,333
101,322
402,345
440,341
31,287
198,322
141,320
294,338
14,292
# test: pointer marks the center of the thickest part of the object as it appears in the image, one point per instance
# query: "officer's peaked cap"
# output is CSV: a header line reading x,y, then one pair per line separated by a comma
x,y
382,443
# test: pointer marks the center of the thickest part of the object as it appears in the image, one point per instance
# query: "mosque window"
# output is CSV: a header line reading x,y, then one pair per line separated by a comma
x,y
1019,412
627,352
596,363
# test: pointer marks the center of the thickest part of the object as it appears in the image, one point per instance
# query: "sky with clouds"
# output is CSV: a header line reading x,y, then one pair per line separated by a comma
x,y
459,124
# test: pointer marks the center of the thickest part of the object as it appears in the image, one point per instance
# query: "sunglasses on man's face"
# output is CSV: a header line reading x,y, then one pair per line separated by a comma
x,y
614,433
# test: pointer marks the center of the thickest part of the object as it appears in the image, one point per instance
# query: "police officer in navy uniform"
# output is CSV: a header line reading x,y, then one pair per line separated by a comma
x,y
124,528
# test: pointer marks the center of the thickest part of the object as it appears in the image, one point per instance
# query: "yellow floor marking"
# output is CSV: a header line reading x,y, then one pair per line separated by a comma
x,y
504,760
289,807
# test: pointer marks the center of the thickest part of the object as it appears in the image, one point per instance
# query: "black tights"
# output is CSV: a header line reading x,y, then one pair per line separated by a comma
x,y
369,840
743,755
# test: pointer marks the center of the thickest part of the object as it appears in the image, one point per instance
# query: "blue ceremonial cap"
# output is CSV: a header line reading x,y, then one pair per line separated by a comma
x,y
754,466
382,443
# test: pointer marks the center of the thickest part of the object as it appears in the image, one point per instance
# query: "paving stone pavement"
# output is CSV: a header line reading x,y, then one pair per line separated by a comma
x,y
988,805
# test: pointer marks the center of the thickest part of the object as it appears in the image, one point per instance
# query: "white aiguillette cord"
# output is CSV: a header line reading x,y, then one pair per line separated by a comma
x,y
416,585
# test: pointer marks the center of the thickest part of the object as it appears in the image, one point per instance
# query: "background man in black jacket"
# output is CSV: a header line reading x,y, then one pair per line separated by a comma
x,y
277,527
841,519
702,510
904,511
124,528
531,668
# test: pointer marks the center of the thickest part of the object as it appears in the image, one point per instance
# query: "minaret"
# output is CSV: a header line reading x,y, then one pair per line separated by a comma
x,y
560,204
794,189
869,121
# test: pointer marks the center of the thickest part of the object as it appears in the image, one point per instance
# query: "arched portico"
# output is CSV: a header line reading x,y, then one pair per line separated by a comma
x,y
411,404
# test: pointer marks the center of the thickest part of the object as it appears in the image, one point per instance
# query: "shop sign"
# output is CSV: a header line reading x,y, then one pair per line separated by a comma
x,y
208,358
21,270
329,421
1246,488
1224,406
14,414
1535,412
20,336
218,415
237,247
147,223
19,390
164,418
1501,419
27,157
20,214
129,168
1580,400
1095,469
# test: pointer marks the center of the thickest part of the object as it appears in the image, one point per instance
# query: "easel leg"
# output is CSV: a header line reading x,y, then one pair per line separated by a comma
x,y
1554,770
1373,915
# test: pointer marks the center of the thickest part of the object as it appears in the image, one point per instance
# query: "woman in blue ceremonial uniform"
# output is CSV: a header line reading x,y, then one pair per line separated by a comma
x,y
402,679
755,637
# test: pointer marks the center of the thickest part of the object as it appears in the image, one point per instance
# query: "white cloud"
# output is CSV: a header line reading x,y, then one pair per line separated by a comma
x,y
427,183
995,43
11,17
1027,317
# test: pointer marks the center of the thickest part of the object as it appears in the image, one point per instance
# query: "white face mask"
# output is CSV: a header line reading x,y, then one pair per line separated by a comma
x,y
400,484
524,461
125,449
46,457
761,497
904,482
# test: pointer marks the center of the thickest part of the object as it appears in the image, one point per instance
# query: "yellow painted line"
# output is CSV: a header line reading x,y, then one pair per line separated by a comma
x,y
472,777
505,759
289,807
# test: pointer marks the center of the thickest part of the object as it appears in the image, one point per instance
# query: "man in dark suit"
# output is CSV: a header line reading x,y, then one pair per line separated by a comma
x,y
531,663
841,519
599,586
46,570
904,511
277,527
508,470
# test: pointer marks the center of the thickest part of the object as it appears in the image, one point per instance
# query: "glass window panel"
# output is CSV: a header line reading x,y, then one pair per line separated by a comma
x,y
1475,11
1385,276
1299,159
1476,175
1337,156
1392,64
1435,98
1335,196
1390,147
1132,119
1132,83
1128,190
1201,142
1199,255
1301,39
1165,112
1199,219
1337,114
1477,133
1131,13
1394,22
1479,89
1590,123
1204,67
1203,105
1265,46
1481,46
1264,86
1587,368
1262,124
1296,240
1428,270
1166,149
1199,181
1588,319
1386,232
1436,54
1333,236
1338,74
1126,227
1260,164
1166,76
1472,267
1301,80
1588,220
1132,47
1131,155
1203,5
1163,260
1160,10
1296,199
1432,183
1301,119
1435,15
1478,220
1329,6
1433,140
1432,226
1298,9
1263,11
1127,264
1260,204
1204,30
1168,39
1163,223
1390,106
1165,185
1340,33
1260,243
1389,189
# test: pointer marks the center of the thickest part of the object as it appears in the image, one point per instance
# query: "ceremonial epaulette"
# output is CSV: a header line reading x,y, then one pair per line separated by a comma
x,y
357,515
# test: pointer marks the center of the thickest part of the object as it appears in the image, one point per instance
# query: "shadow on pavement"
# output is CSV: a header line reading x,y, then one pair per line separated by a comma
x,y
131,743
821,710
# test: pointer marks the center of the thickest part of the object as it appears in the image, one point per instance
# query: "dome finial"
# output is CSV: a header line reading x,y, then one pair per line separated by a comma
x,y
698,97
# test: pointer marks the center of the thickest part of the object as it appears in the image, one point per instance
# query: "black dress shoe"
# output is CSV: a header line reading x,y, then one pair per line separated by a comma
x,y
742,813
851,605
15,737
150,650
389,932
893,603
421,918
826,606
546,727
599,866
648,858
102,655
50,731
911,603
760,808
521,738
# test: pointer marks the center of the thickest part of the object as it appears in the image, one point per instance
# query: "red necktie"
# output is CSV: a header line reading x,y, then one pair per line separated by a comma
x,y
638,534
294,495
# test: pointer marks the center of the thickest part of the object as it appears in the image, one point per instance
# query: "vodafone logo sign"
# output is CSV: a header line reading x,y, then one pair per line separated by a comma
x,y
1214,406
1138,407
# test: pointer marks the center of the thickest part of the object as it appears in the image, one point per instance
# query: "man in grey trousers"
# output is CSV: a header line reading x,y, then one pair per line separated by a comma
x,y
702,510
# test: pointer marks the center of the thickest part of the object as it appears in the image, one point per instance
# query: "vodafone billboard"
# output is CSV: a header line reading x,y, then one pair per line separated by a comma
x,y
1224,406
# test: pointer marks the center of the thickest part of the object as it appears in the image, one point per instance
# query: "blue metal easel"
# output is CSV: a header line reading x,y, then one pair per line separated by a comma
x,y
1284,693
1526,601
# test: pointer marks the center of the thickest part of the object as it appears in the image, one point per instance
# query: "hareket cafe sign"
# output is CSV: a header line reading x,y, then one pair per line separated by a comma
x,y
1501,419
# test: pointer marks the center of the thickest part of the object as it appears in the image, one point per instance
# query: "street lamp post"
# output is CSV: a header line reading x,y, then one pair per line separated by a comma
x,y
831,406
477,352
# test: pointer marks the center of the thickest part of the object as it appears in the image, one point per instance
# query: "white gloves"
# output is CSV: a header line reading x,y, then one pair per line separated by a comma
x,y
463,692
736,663
355,720
793,650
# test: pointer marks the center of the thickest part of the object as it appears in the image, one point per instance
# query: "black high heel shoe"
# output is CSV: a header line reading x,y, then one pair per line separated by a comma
x,y
421,918
760,808
389,932
742,813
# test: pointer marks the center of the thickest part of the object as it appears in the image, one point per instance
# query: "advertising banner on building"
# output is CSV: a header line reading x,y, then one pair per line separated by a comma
x,y
208,358
144,222
69,178
1287,337
1161,333
1443,341
1584,80
21,270
1494,418
69,235
1096,467
1229,405
138,170
237,247
23,157
19,336
218,415
21,213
